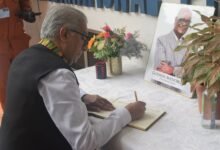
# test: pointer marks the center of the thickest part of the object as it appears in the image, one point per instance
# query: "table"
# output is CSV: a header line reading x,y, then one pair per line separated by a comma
x,y
179,129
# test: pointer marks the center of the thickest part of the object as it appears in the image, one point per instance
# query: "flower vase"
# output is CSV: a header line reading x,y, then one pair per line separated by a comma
x,y
100,70
114,65
210,111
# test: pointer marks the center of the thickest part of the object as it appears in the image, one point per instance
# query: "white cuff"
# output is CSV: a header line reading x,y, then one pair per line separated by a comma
x,y
124,115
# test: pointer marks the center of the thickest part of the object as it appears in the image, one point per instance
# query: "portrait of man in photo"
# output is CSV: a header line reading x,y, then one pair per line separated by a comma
x,y
173,25
167,60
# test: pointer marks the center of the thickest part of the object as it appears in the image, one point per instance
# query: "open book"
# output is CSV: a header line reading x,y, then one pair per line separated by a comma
x,y
150,117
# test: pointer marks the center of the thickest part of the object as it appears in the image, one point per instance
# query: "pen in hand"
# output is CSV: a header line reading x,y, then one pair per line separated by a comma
x,y
135,94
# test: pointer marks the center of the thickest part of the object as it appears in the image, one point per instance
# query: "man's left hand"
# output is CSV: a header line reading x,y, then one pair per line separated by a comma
x,y
97,103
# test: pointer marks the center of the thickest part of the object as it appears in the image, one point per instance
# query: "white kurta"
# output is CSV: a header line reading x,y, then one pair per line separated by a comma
x,y
61,96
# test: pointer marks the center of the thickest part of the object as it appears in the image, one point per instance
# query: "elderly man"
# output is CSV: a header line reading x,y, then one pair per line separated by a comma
x,y
44,110
167,60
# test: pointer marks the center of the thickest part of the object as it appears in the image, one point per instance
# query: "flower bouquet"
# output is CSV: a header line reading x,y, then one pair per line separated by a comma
x,y
114,43
109,45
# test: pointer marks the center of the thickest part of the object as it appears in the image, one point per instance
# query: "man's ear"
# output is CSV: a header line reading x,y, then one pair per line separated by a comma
x,y
63,33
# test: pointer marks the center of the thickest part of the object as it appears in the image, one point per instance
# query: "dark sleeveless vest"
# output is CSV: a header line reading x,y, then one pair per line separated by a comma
x,y
26,124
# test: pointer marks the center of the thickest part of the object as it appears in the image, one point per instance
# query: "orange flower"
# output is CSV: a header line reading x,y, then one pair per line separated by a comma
x,y
91,41
100,35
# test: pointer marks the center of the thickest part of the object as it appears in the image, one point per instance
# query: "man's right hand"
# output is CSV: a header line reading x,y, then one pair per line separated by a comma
x,y
165,68
136,110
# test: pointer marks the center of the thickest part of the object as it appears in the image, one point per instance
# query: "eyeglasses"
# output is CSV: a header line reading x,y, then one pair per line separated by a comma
x,y
84,37
183,22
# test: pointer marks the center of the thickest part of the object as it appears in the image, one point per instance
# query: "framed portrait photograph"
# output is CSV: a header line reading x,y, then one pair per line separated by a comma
x,y
164,64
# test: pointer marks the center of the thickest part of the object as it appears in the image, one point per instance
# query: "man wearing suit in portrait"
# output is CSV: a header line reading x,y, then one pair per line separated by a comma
x,y
167,60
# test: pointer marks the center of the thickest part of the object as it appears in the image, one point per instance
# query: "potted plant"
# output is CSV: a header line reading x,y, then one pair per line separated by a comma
x,y
201,66
109,45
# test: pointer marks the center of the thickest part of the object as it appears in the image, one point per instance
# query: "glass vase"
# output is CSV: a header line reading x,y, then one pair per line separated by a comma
x,y
210,111
114,65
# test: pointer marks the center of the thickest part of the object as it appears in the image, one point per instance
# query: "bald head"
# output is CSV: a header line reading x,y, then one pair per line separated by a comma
x,y
184,13
182,22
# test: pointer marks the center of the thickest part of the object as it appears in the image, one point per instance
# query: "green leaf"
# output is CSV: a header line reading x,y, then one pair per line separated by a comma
x,y
216,56
197,24
200,80
187,77
190,61
215,88
205,19
180,47
213,45
214,75
203,70
190,37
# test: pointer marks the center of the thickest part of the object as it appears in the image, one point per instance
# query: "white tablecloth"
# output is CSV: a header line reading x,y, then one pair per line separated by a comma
x,y
179,129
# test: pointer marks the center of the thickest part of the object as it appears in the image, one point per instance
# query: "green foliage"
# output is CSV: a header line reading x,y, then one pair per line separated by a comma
x,y
202,60
132,47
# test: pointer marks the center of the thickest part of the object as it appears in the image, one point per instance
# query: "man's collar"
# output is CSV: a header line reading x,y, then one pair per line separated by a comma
x,y
51,46
176,38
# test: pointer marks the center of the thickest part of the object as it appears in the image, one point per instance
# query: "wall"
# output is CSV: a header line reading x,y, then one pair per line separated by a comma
x,y
145,24
33,29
